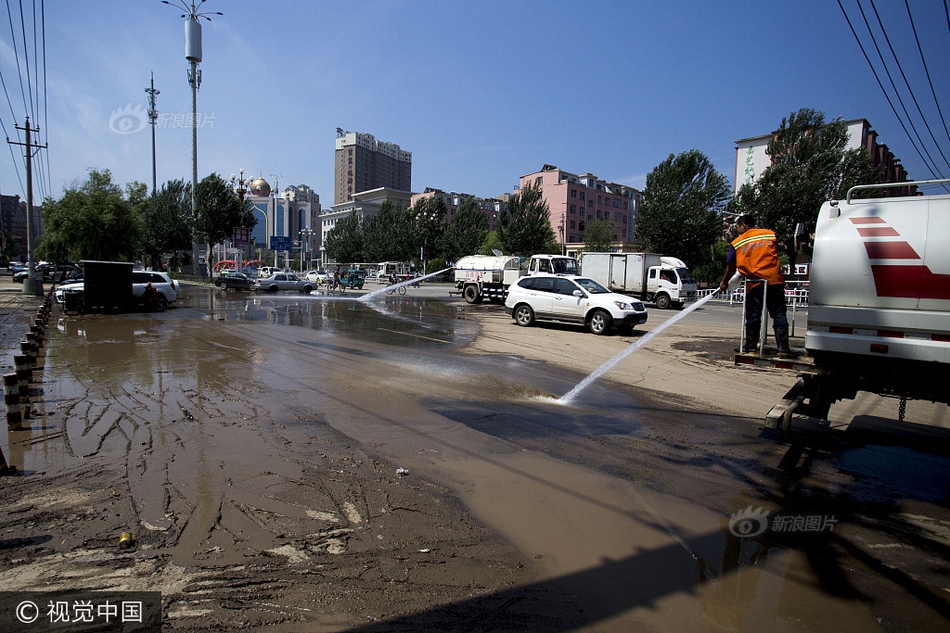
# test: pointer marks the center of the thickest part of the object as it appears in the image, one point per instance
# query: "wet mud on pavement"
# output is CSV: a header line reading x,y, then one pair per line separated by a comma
x,y
310,463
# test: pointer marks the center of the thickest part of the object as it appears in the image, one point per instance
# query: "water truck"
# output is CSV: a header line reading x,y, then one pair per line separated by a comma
x,y
879,306
479,277
666,281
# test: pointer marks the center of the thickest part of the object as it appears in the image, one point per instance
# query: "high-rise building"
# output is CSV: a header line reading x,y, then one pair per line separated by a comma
x,y
362,163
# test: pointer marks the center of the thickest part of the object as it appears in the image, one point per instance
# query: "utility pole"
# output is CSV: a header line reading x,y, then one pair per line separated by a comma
x,y
31,285
153,117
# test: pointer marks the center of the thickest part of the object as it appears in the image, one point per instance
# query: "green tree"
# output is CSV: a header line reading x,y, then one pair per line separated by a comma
x,y
166,220
681,212
491,244
598,235
467,231
91,221
344,242
428,219
810,164
219,211
524,226
388,235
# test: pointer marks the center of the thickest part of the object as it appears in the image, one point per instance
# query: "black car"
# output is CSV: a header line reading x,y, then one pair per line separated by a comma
x,y
55,273
233,279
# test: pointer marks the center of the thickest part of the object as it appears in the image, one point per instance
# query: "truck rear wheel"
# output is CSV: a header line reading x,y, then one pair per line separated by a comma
x,y
471,294
662,301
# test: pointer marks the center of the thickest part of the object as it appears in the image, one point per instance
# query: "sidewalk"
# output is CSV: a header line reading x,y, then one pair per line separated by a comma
x,y
17,311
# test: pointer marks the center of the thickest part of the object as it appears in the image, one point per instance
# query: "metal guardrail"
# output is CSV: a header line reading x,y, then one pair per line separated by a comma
x,y
796,297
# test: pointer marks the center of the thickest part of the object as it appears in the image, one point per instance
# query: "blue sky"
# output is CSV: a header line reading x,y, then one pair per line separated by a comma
x,y
479,92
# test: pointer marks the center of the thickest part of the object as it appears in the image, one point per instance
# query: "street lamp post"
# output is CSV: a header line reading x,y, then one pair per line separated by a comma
x,y
240,185
305,235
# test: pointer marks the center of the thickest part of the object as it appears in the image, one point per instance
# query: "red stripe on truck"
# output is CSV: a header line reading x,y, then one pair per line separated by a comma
x,y
879,231
871,220
890,250
910,282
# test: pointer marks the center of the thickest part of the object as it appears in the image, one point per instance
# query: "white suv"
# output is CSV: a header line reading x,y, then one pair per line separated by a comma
x,y
166,287
572,299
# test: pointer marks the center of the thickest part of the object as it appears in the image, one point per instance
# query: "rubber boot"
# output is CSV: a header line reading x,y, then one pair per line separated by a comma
x,y
781,341
751,346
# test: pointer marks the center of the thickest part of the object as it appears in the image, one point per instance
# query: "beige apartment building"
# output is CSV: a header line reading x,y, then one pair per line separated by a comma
x,y
752,159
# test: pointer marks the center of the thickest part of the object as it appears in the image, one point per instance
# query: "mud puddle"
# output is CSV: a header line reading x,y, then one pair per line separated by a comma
x,y
294,459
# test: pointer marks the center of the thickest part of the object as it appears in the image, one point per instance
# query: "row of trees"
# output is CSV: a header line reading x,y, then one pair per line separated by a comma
x,y
98,220
421,233
686,209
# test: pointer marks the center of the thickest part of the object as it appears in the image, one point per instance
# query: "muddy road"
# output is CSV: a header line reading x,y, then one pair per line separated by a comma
x,y
310,464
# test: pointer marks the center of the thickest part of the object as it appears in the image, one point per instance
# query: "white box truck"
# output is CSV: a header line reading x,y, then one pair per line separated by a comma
x,y
666,281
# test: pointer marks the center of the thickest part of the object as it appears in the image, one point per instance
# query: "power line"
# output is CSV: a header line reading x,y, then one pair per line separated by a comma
x,y
16,54
923,61
907,83
930,167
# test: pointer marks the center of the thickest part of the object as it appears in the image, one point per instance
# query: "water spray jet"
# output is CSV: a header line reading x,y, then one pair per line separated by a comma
x,y
610,364
415,280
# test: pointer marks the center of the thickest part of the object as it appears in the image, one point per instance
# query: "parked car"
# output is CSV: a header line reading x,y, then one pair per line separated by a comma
x,y
572,299
267,271
16,267
233,279
55,273
285,281
317,276
161,282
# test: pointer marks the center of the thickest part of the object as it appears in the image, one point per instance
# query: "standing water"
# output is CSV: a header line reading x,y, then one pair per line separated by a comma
x,y
414,280
610,364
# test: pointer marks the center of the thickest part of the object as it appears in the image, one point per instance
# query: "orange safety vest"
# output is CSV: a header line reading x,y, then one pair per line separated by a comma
x,y
757,256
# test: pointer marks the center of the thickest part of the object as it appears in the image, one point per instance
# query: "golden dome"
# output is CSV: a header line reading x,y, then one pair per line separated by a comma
x,y
260,187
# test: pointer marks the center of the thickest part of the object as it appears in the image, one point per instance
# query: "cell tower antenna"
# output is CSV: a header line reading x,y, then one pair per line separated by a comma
x,y
153,117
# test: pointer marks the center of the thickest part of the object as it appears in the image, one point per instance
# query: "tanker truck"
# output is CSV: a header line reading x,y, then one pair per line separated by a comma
x,y
479,277
666,281
878,306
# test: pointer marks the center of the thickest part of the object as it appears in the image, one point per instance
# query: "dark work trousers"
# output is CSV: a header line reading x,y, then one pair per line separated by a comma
x,y
775,302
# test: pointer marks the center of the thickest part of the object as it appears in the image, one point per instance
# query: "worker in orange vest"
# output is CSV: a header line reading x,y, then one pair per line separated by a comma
x,y
755,254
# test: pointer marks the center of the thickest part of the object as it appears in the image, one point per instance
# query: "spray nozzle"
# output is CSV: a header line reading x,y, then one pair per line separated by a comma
x,y
734,282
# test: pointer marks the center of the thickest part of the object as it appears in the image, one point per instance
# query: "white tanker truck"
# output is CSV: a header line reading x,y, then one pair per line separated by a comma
x,y
879,306
479,277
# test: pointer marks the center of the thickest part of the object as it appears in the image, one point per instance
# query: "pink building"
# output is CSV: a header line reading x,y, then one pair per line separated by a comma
x,y
576,200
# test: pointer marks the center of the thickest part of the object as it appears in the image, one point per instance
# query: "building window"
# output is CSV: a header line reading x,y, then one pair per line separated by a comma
x,y
583,195
573,193
616,203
